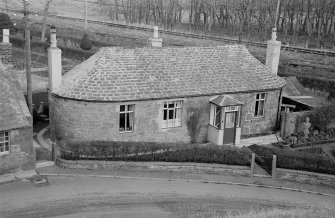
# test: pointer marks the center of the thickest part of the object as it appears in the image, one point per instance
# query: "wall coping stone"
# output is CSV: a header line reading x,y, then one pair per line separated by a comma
x,y
89,163
305,173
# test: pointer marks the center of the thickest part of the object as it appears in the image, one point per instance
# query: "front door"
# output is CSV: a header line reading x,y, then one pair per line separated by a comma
x,y
229,128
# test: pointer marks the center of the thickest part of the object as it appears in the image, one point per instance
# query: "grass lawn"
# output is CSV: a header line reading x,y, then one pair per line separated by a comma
x,y
288,213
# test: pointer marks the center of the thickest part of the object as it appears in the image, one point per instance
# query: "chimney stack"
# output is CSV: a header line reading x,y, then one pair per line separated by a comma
x,y
5,35
273,52
54,62
6,50
156,42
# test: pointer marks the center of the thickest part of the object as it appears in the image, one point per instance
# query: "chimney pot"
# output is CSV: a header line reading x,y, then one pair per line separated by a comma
x,y
54,62
274,34
273,52
155,32
156,42
53,38
5,35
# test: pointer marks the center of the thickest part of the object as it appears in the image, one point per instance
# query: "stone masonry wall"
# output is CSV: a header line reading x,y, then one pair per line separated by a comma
x,y
78,120
81,121
6,53
21,155
250,124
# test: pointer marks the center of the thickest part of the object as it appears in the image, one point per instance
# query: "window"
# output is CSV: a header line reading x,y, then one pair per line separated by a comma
x,y
260,105
4,142
171,114
126,122
217,117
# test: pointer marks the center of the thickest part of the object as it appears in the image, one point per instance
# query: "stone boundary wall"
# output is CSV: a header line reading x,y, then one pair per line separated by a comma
x,y
219,169
290,121
6,53
306,177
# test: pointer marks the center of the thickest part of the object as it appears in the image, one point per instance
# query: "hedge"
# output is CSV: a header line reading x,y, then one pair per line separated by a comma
x,y
150,151
298,160
39,46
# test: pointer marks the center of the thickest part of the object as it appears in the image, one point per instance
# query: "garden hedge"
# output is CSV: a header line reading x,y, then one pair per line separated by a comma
x,y
297,160
150,151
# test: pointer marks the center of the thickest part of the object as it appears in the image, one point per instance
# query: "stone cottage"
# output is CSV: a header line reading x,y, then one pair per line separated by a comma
x,y
16,130
154,93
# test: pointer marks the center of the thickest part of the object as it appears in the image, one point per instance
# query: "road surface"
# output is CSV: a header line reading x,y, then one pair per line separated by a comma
x,y
109,197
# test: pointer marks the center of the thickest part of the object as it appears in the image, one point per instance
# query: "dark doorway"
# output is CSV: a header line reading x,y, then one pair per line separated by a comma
x,y
229,128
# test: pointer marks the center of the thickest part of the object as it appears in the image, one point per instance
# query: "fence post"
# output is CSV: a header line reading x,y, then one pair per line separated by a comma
x,y
274,166
253,157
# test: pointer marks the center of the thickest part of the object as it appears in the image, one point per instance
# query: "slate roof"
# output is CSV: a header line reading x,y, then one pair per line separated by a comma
x,y
308,100
12,112
118,74
224,100
293,87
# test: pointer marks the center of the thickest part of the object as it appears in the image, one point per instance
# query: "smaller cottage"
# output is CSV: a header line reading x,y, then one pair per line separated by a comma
x,y
16,130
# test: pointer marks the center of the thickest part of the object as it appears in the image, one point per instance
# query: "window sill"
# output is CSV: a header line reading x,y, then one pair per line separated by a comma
x,y
171,127
258,117
214,127
123,132
4,153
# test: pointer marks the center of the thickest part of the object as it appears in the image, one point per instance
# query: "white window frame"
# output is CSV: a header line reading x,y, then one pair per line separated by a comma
x,y
176,110
125,112
258,99
4,140
215,112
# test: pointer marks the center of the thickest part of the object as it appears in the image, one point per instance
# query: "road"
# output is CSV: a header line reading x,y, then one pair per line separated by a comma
x,y
109,197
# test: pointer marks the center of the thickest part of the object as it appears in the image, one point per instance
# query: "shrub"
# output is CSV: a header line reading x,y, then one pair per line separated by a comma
x,y
323,116
195,121
86,43
295,160
6,23
43,154
150,151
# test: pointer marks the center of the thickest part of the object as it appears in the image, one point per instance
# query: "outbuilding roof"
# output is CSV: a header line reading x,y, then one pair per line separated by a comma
x,y
13,109
118,74
297,93
293,87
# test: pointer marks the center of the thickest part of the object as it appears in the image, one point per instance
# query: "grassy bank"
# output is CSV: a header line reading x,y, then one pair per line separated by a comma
x,y
288,213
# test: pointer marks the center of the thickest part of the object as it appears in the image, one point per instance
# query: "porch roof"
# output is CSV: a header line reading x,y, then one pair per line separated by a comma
x,y
225,100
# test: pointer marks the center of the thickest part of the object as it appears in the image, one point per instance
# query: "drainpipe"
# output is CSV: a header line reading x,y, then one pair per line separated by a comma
x,y
278,110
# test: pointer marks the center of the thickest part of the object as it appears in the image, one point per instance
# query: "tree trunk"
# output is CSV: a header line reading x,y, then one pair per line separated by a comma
x,y
85,16
44,22
116,10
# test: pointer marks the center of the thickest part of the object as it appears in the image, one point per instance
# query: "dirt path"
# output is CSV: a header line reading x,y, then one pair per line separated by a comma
x,y
106,197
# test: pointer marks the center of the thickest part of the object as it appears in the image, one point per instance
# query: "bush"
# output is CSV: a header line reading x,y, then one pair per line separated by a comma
x,y
150,151
6,23
323,116
43,154
295,160
86,43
